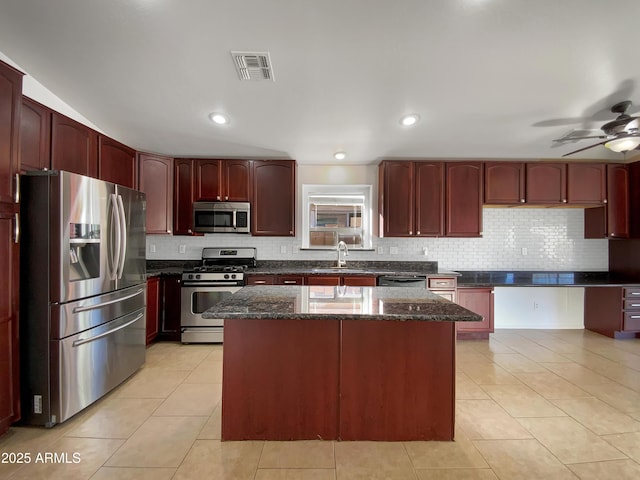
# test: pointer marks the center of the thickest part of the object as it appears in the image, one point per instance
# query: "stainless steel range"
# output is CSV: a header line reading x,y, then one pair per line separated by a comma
x,y
220,275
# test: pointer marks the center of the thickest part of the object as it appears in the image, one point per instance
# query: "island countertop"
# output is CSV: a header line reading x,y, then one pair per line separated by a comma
x,y
339,303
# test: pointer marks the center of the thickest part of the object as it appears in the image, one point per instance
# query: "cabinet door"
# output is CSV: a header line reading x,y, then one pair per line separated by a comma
x,y
546,183
634,200
170,319
208,180
586,183
480,301
463,199
617,201
237,180
273,207
156,180
183,196
153,308
429,199
359,281
35,136
396,200
74,147
9,298
323,280
504,183
10,106
116,162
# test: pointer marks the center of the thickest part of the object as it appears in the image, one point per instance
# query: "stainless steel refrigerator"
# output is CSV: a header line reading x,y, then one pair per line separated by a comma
x,y
82,292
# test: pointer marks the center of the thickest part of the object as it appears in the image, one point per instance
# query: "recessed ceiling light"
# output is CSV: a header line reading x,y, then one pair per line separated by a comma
x,y
339,155
219,118
409,120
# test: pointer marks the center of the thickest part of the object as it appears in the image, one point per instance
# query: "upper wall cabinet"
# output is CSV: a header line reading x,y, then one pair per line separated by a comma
x,y
222,180
612,219
156,180
10,107
430,199
35,136
183,196
634,200
546,183
586,183
74,147
504,183
116,163
273,203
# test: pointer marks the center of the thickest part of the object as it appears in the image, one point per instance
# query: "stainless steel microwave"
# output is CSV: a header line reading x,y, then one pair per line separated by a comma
x,y
221,217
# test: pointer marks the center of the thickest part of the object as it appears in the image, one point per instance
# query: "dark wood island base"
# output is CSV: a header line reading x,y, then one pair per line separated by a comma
x,y
288,379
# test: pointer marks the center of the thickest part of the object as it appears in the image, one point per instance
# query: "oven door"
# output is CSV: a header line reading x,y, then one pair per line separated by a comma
x,y
196,297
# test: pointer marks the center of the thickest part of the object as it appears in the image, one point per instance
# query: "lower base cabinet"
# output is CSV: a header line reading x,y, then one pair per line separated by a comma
x,y
613,311
480,301
154,308
169,321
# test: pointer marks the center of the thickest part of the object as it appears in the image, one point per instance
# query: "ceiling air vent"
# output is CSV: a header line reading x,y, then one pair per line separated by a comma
x,y
253,65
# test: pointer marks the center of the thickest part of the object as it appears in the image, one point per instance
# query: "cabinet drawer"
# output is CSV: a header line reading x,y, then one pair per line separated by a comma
x,y
632,321
441,283
632,292
449,295
632,304
290,280
260,280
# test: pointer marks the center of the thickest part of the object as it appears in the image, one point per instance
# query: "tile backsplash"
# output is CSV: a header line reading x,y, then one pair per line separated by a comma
x,y
513,239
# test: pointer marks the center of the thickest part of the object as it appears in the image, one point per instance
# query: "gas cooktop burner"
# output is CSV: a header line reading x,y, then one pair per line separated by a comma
x,y
220,268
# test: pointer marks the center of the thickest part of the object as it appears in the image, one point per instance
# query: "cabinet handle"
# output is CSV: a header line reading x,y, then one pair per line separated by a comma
x,y
564,200
256,282
226,197
418,232
169,231
289,282
522,200
16,228
218,197
612,235
604,201
17,192
635,293
410,232
635,316
635,304
189,231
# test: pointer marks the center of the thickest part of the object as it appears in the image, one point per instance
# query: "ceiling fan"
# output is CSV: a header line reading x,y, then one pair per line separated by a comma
x,y
621,134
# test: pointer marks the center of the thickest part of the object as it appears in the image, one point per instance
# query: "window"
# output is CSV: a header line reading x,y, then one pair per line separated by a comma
x,y
334,213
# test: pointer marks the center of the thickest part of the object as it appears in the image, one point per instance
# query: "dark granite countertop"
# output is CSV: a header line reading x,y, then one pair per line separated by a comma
x,y
540,279
339,303
324,267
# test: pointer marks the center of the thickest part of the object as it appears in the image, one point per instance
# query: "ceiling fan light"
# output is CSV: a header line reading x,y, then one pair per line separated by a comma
x,y
219,118
623,144
340,155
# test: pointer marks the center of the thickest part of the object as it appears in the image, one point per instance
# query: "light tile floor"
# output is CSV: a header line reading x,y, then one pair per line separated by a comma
x,y
530,404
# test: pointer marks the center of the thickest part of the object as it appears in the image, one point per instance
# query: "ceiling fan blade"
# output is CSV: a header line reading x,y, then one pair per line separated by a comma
x,y
585,148
570,139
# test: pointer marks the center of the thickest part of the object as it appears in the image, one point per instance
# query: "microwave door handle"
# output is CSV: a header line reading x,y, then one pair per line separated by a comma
x,y
234,219
123,233
115,250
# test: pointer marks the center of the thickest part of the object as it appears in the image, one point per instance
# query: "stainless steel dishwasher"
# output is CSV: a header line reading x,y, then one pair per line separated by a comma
x,y
407,281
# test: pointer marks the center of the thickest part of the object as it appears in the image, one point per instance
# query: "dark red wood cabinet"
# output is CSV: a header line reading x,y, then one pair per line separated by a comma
x,y
10,108
183,196
546,183
504,183
169,320
611,220
222,180
273,198
396,199
156,181
463,214
35,136
429,198
634,199
480,301
154,308
586,183
74,146
613,311
116,162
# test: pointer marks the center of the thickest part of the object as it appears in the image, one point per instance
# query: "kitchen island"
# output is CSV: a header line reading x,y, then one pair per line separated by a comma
x,y
348,363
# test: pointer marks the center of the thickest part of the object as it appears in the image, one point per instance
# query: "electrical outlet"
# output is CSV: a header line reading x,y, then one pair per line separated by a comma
x,y
524,250
393,250
152,248
283,249
425,251
182,249
380,250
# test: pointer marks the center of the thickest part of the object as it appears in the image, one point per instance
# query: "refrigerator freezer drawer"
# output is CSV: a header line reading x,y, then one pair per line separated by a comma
x,y
88,365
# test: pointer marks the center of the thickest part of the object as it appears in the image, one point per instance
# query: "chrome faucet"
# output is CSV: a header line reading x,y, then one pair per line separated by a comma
x,y
343,252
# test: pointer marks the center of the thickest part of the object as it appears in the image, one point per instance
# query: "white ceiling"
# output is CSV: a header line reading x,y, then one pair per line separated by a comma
x,y
489,78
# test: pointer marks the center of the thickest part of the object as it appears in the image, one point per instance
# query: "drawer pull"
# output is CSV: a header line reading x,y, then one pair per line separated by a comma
x,y
260,282
635,304
289,282
634,316
635,293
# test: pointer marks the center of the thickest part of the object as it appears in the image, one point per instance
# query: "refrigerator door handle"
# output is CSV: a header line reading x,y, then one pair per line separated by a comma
x,y
117,224
86,308
123,236
83,341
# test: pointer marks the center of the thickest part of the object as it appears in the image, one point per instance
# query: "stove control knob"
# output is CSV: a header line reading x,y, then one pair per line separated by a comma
x,y
233,276
198,276
226,276
190,276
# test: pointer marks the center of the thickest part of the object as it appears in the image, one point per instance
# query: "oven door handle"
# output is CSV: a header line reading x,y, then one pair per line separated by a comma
x,y
210,284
